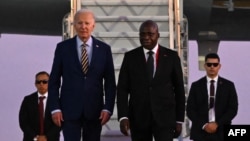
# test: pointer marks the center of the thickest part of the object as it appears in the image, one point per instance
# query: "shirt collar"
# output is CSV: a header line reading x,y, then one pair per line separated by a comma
x,y
80,42
215,79
154,49
46,94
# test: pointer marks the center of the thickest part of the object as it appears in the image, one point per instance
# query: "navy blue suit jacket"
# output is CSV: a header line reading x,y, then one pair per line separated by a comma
x,y
75,93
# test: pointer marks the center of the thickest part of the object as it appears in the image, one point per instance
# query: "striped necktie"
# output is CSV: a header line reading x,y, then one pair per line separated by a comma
x,y
84,59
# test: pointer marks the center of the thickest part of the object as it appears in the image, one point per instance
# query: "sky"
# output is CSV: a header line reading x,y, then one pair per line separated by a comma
x,y
22,56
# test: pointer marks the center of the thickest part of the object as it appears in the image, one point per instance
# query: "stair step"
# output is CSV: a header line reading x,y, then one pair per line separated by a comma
x,y
127,2
125,7
126,26
130,18
121,50
124,34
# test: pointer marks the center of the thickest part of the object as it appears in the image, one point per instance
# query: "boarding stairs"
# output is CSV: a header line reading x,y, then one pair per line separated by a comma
x,y
118,22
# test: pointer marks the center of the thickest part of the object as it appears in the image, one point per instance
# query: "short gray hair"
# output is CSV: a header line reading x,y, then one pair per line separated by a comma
x,y
84,11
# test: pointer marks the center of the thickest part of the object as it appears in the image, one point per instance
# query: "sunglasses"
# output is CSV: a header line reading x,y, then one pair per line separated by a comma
x,y
41,81
212,64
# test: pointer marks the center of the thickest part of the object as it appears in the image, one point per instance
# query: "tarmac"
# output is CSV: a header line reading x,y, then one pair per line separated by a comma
x,y
111,132
114,135
127,138
117,136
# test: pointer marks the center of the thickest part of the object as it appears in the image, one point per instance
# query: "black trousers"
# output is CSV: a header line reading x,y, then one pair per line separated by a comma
x,y
87,130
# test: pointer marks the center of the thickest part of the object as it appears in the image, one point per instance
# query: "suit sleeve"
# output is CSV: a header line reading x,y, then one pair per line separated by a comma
x,y
55,80
109,83
232,108
123,89
192,107
24,120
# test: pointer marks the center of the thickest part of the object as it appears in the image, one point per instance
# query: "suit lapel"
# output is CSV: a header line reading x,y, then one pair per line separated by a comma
x,y
161,62
204,92
141,63
204,89
34,104
47,111
94,52
74,53
219,90
159,65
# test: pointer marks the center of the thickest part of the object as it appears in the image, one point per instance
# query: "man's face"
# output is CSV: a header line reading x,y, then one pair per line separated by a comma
x,y
42,83
148,36
212,67
84,25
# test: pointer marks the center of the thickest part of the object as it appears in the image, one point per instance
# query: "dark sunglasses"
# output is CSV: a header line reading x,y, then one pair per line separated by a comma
x,y
212,64
41,81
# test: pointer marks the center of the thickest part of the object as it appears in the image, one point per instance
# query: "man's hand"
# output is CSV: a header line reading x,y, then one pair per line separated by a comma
x,y
211,127
57,118
178,129
41,138
124,127
104,117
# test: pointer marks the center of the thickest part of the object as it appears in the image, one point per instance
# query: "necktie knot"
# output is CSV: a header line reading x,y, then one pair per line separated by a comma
x,y
150,53
212,81
84,45
41,98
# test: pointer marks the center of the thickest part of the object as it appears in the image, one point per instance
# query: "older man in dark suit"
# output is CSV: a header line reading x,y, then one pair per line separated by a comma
x,y
212,103
150,91
82,85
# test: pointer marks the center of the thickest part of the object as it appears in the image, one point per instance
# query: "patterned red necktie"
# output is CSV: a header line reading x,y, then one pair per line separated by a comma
x,y
41,114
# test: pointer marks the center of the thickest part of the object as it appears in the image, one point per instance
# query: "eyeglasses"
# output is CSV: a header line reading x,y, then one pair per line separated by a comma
x,y
212,64
41,81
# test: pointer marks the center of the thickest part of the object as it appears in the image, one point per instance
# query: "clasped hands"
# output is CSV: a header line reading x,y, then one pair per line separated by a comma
x,y
41,138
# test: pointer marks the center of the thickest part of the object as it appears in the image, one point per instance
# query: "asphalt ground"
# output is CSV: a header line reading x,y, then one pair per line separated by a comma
x,y
117,136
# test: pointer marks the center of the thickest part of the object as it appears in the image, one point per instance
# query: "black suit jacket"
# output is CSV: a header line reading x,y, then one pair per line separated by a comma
x,y
163,98
29,120
226,106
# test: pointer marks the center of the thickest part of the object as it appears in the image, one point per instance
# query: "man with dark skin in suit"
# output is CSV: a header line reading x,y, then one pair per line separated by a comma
x,y
151,108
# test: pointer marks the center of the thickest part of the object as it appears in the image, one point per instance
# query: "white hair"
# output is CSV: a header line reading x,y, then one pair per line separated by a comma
x,y
84,11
